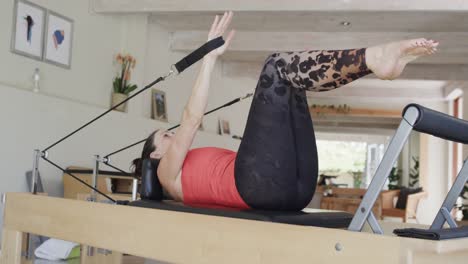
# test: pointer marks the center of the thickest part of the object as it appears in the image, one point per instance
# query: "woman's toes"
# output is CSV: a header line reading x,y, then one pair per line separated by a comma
x,y
419,43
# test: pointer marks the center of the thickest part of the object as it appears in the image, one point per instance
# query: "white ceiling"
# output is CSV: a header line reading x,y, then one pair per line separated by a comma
x,y
322,21
266,26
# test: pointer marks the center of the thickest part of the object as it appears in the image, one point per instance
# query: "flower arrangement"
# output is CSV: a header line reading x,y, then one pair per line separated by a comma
x,y
121,81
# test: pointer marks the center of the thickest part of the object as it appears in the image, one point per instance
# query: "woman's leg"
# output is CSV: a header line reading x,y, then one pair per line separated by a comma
x,y
321,70
276,166
325,70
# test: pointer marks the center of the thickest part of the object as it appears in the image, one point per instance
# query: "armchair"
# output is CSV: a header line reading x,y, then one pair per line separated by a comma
x,y
388,208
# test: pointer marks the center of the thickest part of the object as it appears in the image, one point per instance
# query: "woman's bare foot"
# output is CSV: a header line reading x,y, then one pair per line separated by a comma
x,y
387,61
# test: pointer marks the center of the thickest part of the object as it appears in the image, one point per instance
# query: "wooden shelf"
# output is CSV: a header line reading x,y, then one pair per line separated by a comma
x,y
362,112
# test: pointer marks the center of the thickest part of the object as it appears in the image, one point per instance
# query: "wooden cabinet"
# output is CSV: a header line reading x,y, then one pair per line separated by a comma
x,y
348,200
108,182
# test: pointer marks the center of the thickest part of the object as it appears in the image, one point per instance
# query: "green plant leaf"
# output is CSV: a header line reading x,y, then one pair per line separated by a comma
x,y
464,193
130,88
117,85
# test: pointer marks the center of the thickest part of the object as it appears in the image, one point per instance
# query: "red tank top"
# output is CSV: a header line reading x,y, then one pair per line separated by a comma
x,y
208,179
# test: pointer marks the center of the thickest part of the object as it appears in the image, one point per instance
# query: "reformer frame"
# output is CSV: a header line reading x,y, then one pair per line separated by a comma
x,y
191,238
421,119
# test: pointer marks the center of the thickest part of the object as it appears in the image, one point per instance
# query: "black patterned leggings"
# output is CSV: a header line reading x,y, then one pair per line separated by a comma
x,y
277,165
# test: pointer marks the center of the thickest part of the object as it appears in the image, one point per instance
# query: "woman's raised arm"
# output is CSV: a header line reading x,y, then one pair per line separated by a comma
x,y
170,167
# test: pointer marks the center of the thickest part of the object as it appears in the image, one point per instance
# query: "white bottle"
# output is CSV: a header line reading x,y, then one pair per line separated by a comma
x,y
36,79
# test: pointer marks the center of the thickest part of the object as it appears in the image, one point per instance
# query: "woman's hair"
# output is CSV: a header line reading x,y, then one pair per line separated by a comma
x,y
148,148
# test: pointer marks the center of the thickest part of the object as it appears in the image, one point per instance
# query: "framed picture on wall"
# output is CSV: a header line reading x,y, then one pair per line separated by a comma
x,y
28,29
58,40
223,127
158,104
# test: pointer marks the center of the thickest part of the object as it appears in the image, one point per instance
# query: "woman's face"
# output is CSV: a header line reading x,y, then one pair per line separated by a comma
x,y
162,141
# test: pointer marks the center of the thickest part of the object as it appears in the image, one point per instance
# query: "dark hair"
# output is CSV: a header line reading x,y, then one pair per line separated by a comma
x,y
148,148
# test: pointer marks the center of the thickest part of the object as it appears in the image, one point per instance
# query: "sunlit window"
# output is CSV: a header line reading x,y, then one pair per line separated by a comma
x,y
351,163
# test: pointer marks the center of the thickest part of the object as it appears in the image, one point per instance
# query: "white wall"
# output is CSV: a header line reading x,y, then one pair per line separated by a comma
x,y
465,116
433,171
33,121
96,40
178,89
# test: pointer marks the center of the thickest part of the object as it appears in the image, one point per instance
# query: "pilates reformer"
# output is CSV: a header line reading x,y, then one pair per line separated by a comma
x,y
181,234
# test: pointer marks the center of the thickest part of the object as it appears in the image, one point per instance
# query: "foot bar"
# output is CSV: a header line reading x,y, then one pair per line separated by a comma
x,y
426,121
439,124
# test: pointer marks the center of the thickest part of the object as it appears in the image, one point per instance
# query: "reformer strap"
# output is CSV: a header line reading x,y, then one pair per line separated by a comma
x,y
79,180
180,66
176,126
199,53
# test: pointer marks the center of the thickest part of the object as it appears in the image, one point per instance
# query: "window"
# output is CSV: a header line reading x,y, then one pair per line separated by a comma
x,y
345,159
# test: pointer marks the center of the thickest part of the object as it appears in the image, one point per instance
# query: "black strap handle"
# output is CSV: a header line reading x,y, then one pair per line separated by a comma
x,y
199,53
439,124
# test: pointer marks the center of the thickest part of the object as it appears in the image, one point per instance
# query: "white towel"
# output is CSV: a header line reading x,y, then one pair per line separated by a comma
x,y
55,249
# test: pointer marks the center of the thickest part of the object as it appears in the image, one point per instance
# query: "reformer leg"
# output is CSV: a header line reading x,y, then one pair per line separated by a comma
x,y
363,213
11,246
444,213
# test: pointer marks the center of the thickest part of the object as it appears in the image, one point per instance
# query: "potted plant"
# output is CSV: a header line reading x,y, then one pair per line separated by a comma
x,y
122,87
414,173
357,179
394,179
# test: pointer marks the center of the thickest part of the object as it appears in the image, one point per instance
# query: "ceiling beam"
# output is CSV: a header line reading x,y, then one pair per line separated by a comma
x,y
341,128
252,70
323,122
277,41
436,72
255,46
317,21
397,92
105,6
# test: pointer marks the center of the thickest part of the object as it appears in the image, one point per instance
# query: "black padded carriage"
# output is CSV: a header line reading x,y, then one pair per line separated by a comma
x,y
318,219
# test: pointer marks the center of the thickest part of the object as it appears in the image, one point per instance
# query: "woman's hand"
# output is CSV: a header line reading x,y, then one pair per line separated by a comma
x,y
217,29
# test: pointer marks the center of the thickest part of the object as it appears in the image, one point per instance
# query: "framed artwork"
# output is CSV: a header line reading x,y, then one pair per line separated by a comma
x,y
158,104
58,40
223,127
28,29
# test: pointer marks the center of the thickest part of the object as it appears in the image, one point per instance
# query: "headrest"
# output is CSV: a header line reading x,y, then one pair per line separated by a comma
x,y
151,188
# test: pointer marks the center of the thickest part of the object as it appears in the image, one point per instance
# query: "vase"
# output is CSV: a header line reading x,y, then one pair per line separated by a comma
x,y
117,98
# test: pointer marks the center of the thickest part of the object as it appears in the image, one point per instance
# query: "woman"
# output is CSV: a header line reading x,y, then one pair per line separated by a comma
x,y
276,165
